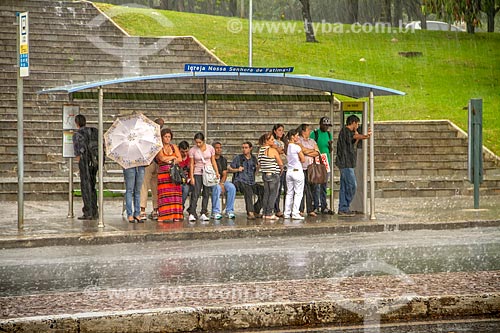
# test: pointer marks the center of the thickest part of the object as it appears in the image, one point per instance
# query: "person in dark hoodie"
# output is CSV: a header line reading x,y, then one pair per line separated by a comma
x,y
83,139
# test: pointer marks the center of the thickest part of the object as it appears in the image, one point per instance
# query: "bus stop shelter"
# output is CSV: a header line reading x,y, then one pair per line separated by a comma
x,y
331,86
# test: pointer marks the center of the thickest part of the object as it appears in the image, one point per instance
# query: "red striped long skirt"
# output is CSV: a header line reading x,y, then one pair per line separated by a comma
x,y
169,195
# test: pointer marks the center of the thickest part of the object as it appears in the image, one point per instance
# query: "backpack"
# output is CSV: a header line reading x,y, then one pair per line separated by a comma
x,y
92,146
316,135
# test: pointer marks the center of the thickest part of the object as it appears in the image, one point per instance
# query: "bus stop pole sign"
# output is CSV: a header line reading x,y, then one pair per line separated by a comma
x,y
475,160
24,64
23,71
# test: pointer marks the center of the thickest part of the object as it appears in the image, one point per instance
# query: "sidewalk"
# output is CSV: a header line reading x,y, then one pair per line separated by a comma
x,y
46,223
347,300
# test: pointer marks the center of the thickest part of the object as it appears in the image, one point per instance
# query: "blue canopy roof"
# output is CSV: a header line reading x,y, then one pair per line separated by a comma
x,y
340,87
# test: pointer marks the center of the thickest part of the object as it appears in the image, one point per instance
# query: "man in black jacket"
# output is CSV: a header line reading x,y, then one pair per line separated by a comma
x,y
346,162
83,139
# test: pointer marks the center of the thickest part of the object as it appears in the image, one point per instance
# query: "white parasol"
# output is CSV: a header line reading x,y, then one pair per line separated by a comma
x,y
133,141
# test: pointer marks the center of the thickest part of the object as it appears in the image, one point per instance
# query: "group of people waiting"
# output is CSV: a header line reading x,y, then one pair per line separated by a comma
x,y
282,160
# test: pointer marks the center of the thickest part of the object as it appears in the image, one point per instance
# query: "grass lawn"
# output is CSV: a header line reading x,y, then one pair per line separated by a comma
x,y
453,68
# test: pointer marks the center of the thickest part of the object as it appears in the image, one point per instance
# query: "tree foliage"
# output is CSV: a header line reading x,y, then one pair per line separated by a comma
x,y
467,11
338,11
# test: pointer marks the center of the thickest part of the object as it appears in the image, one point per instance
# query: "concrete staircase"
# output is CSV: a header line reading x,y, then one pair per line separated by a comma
x,y
66,46
427,158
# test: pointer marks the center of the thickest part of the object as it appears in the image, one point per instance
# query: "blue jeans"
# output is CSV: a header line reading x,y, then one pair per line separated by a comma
x,y
271,186
320,195
347,188
282,186
186,188
133,183
230,195
215,197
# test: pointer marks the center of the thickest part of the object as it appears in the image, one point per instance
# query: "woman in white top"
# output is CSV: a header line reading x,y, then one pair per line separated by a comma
x,y
199,155
294,177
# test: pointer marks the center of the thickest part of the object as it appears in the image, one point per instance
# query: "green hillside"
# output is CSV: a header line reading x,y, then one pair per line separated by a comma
x,y
453,68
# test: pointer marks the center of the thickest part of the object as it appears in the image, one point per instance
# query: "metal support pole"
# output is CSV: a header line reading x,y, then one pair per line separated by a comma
x,y
372,158
71,213
205,109
364,178
101,159
20,141
70,188
476,145
250,33
476,158
332,194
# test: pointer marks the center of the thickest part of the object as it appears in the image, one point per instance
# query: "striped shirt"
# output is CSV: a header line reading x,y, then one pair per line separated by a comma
x,y
267,164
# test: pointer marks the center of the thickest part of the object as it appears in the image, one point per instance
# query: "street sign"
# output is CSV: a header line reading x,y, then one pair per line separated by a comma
x,y
23,45
210,68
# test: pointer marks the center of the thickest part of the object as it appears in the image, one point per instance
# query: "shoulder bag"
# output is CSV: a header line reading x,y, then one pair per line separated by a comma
x,y
209,176
316,173
177,175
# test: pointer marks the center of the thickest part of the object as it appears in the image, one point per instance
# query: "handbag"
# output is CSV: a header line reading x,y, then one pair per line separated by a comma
x,y
209,176
177,175
316,173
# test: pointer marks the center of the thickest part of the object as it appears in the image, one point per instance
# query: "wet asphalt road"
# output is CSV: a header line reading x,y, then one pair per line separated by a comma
x,y
152,264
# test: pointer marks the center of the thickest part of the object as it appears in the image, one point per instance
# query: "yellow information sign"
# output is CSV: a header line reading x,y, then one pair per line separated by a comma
x,y
23,49
353,106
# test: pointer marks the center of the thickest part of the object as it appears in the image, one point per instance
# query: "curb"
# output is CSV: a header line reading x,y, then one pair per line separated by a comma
x,y
263,315
227,233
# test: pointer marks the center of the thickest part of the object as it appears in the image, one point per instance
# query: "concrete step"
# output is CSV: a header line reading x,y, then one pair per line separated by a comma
x,y
56,188
63,55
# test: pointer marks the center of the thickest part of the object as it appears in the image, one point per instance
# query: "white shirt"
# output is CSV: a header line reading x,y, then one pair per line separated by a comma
x,y
307,143
292,155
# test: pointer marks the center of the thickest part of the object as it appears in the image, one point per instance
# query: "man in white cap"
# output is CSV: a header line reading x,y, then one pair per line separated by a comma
x,y
323,138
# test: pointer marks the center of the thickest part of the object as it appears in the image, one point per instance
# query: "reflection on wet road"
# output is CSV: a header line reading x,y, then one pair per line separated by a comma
x,y
153,264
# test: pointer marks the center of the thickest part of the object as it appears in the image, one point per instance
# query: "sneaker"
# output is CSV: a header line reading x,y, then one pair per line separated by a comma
x,y
217,216
286,216
347,214
297,217
203,217
192,218
327,211
231,215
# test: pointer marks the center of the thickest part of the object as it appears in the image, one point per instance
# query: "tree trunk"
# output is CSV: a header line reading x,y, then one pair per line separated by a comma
x,y
470,26
352,12
233,8
163,4
414,10
398,13
386,12
308,27
491,11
